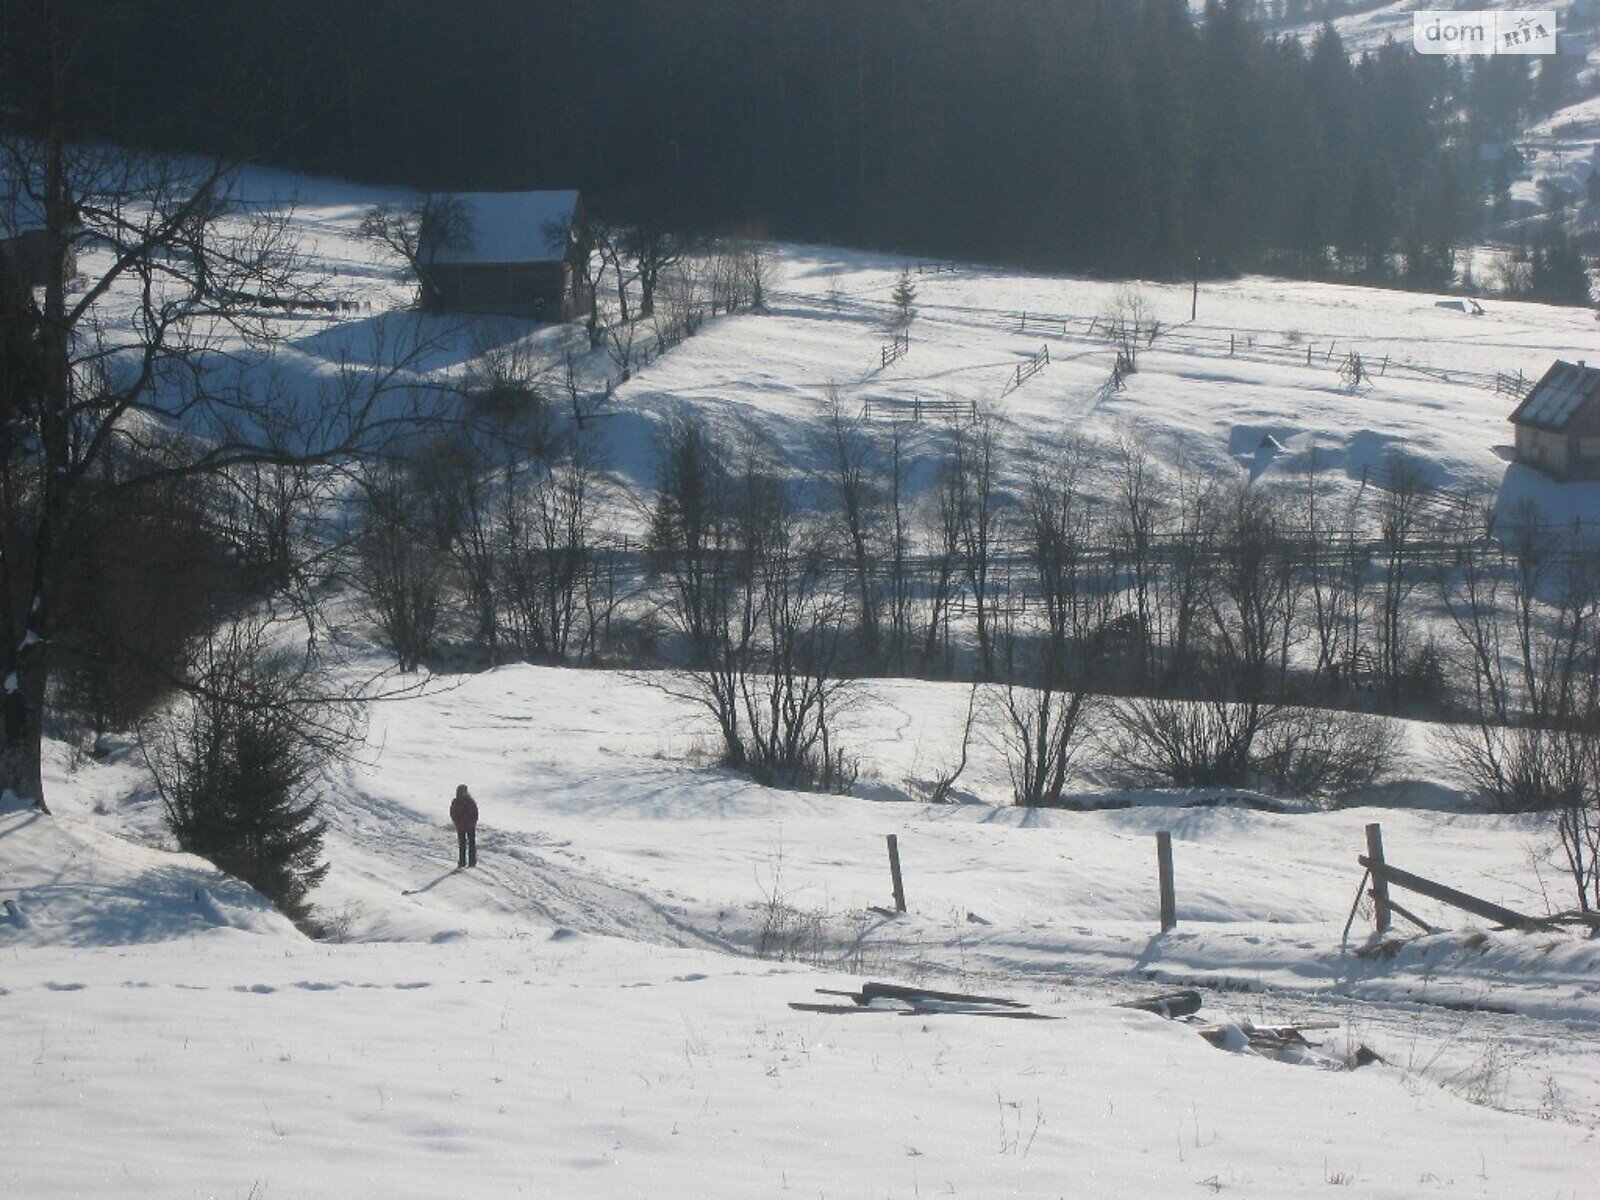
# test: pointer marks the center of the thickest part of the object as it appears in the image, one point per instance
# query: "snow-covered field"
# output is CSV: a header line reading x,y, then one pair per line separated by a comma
x,y
1262,356
583,1014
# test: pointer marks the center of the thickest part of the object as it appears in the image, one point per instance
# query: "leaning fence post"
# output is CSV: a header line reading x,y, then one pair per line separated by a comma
x,y
1380,885
1169,903
894,874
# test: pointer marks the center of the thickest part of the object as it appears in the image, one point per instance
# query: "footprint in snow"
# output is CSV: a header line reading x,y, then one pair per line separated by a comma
x,y
65,987
696,977
258,989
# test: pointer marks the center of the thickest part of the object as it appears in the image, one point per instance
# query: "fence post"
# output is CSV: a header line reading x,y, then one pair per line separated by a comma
x,y
894,874
1380,885
1169,903
1308,356
1385,366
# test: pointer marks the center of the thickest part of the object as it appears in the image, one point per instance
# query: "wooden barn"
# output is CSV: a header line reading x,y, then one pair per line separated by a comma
x,y
522,254
1558,423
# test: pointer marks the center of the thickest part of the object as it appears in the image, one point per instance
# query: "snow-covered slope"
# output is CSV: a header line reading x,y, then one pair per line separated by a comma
x,y
582,1013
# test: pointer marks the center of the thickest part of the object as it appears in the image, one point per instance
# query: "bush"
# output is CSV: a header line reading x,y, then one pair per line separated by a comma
x,y
1309,753
1183,743
1321,754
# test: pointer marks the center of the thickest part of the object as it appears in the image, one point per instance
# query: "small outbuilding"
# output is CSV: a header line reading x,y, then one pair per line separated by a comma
x,y
1558,422
517,253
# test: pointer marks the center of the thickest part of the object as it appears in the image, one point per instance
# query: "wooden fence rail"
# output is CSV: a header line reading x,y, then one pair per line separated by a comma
x,y
1385,876
1028,369
895,350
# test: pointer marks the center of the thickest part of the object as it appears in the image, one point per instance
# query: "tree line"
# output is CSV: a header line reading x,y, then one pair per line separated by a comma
x,y
1184,628
1114,136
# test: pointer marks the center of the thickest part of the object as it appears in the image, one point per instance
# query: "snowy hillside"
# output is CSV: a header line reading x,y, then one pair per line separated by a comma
x,y
603,1006
581,1014
1262,356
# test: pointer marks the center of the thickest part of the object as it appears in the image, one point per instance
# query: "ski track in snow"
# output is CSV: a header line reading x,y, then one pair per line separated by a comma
x,y
512,873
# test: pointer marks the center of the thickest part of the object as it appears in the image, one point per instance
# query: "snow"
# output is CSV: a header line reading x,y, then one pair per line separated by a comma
x,y
510,227
1563,391
584,1014
581,1014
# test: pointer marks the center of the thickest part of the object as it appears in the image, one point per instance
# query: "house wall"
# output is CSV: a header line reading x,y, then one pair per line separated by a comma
x,y
1542,449
515,289
1565,455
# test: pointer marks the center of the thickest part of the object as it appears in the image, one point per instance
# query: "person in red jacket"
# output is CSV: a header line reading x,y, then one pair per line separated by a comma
x,y
464,815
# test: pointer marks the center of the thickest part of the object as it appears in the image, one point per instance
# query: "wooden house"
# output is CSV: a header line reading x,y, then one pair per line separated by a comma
x,y
1558,422
520,254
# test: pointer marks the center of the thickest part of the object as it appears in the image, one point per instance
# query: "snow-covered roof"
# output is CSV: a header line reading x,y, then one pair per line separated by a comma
x,y
1563,392
512,227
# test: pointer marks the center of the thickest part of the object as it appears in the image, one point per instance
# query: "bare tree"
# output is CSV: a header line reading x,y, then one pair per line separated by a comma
x,y
1140,499
172,268
416,232
1402,515
399,569
898,562
610,243
622,343
1051,670
976,478
1336,559
1528,626
796,686
1183,589
763,629
942,511
680,304
696,550
853,475
655,249
1130,326
551,559
1255,595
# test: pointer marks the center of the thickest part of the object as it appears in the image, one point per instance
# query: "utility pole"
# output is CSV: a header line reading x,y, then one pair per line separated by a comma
x,y
1194,298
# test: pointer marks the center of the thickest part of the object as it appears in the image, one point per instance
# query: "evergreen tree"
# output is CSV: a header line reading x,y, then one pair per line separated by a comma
x,y
1558,273
904,298
1110,135
237,765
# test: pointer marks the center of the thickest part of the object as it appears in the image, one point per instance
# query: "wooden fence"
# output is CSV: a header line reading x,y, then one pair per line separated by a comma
x,y
894,351
1027,369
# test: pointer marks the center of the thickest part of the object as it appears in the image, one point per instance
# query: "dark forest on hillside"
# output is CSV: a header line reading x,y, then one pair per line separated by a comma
x,y
1103,135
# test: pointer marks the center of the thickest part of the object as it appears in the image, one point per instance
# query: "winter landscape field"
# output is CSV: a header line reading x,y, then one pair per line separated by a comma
x,y
602,1006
